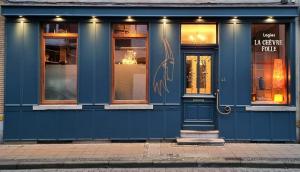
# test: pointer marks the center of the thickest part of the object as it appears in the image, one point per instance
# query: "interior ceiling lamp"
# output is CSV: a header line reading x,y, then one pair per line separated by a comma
x,y
278,80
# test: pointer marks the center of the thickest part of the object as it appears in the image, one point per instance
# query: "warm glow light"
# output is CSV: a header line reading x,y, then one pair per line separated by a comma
x,y
270,19
235,17
278,98
278,80
198,34
129,19
58,19
130,57
20,16
199,17
278,76
201,37
94,19
191,38
164,20
57,16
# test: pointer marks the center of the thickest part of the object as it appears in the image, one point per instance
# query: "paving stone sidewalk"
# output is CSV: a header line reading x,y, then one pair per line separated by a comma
x,y
148,155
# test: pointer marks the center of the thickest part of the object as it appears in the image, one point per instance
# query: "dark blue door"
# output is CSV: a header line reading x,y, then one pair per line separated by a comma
x,y
199,88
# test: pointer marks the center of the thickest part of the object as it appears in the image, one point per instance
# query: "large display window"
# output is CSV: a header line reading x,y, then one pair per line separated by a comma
x,y
59,63
130,63
269,68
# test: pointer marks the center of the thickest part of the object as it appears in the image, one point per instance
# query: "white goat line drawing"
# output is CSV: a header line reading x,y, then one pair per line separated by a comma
x,y
164,72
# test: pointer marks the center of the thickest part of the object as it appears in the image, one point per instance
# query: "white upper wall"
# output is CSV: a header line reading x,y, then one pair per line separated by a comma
x,y
154,1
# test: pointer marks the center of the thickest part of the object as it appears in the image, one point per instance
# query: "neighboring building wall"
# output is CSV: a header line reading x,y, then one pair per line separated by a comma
x,y
1,71
298,74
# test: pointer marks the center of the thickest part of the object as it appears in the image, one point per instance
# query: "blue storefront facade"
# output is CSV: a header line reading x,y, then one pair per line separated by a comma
x,y
230,104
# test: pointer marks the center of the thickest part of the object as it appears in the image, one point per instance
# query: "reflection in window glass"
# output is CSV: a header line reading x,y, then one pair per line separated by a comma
x,y
130,62
269,83
205,74
198,34
60,69
60,28
198,74
191,74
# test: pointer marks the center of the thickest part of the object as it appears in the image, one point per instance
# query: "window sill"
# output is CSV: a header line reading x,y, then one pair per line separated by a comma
x,y
198,96
57,107
127,106
271,108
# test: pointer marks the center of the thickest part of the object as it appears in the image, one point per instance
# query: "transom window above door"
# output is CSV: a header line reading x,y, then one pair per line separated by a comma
x,y
198,34
198,74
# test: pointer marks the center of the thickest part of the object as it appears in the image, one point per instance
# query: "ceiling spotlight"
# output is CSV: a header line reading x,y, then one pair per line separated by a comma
x,y
20,16
235,17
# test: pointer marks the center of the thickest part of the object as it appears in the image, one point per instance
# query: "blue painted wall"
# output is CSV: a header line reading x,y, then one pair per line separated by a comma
x,y
22,73
235,88
93,122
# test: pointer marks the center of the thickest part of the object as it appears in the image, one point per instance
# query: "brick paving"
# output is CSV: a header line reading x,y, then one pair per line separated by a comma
x,y
114,153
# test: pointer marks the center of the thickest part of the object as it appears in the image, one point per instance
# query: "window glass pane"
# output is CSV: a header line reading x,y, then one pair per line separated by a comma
x,y
60,68
205,74
130,62
199,34
130,69
269,81
60,28
191,74
128,30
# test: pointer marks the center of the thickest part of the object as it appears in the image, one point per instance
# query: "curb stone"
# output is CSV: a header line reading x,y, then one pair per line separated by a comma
x,y
143,164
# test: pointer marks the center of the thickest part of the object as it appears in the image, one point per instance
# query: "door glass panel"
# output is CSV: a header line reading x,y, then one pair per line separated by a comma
x,y
205,74
191,74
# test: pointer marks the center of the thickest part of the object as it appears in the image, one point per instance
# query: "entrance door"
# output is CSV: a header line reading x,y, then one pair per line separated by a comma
x,y
199,84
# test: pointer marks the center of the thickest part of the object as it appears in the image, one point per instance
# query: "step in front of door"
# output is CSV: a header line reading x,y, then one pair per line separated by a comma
x,y
200,141
209,134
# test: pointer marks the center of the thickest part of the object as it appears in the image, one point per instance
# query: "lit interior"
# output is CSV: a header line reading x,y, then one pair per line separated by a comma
x,y
198,74
198,34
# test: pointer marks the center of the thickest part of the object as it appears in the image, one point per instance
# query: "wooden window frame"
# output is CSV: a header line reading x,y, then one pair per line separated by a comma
x,y
129,36
45,36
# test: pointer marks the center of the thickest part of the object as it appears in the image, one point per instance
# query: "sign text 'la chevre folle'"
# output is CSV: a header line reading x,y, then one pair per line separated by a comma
x,y
267,43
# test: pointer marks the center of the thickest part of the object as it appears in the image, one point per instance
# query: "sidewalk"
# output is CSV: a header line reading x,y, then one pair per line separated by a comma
x,y
148,155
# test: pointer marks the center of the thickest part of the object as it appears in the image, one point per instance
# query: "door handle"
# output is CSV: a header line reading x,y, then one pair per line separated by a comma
x,y
226,109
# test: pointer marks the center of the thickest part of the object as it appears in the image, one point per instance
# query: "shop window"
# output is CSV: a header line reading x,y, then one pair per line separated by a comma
x,y
198,34
59,64
198,74
269,72
130,63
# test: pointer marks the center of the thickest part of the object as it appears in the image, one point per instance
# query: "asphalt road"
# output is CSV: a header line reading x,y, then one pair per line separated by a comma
x,y
160,170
